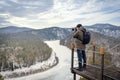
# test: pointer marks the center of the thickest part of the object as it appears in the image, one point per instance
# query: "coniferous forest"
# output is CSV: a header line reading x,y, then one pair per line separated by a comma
x,y
17,51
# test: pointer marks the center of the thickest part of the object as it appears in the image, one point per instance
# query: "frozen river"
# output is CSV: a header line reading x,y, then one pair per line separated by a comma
x,y
59,72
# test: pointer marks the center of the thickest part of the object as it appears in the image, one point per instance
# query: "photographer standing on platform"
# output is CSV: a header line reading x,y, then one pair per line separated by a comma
x,y
80,43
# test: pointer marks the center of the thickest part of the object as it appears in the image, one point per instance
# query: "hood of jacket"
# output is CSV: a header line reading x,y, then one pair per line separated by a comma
x,y
82,29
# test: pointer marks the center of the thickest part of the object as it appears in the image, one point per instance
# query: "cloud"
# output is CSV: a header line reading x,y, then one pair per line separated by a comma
x,y
3,20
46,13
90,12
22,8
101,18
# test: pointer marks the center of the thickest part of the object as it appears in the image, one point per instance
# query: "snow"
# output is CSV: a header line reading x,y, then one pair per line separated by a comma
x,y
60,71
106,31
39,65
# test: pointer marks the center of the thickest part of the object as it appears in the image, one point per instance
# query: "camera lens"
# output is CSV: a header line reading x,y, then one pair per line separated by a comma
x,y
73,29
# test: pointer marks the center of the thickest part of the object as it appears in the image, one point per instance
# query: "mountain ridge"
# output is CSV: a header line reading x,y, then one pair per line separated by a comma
x,y
13,29
105,29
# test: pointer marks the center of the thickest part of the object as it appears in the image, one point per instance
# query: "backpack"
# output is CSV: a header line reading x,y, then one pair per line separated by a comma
x,y
86,37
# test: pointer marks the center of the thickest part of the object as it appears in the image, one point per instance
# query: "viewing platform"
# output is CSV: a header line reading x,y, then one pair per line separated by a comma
x,y
94,71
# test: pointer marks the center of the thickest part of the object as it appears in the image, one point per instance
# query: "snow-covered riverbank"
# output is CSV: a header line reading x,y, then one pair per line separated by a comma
x,y
60,71
38,67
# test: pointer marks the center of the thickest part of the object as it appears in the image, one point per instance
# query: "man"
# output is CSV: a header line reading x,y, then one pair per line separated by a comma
x,y
78,35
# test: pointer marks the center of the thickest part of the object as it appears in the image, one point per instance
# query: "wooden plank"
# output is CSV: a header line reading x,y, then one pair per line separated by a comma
x,y
110,77
93,72
85,74
110,72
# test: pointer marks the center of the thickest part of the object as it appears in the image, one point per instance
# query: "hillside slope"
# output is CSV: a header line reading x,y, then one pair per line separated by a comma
x,y
112,45
18,52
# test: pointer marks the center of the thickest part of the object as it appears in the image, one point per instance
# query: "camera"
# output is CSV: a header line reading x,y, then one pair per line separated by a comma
x,y
74,29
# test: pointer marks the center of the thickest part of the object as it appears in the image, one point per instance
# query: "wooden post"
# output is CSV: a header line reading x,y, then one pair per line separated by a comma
x,y
102,52
72,46
12,68
94,44
0,64
74,76
0,67
72,59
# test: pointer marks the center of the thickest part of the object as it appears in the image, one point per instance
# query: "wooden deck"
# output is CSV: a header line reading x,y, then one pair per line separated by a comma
x,y
96,72
93,72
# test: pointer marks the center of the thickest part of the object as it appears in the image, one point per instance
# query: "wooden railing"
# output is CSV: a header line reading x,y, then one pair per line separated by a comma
x,y
101,73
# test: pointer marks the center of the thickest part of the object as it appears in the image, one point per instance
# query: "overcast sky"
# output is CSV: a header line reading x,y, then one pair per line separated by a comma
x,y
63,13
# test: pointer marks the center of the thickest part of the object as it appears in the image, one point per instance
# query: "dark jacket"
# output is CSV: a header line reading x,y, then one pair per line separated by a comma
x,y
78,42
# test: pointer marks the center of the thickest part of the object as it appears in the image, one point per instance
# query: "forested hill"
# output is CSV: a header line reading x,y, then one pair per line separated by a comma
x,y
53,33
111,45
22,52
13,29
106,29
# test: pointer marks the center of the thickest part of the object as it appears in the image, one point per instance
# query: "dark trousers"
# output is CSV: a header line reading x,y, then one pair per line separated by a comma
x,y
81,56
